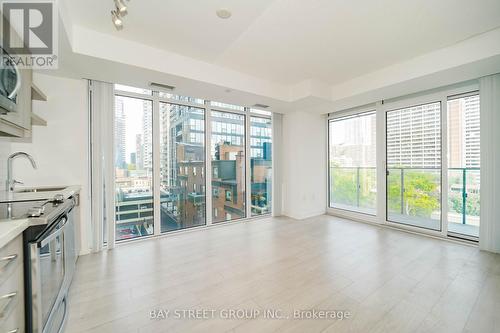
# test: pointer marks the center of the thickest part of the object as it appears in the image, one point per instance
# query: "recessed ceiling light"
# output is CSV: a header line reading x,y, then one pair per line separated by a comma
x,y
223,13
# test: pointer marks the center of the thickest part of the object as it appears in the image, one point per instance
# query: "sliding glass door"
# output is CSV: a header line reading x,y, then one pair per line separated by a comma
x,y
463,166
413,173
352,163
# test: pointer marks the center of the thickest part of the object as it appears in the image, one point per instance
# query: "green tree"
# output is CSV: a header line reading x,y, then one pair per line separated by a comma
x,y
420,196
421,193
343,186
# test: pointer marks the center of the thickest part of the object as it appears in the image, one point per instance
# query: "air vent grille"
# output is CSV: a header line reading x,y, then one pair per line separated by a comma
x,y
260,106
162,86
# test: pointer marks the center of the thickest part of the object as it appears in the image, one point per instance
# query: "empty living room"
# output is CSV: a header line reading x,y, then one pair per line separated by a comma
x,y
250,166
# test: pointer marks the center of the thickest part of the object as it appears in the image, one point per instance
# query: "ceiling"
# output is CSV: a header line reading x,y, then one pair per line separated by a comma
x,y
289,41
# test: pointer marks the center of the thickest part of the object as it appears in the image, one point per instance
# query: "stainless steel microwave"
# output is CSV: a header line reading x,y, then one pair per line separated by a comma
x,y
10,83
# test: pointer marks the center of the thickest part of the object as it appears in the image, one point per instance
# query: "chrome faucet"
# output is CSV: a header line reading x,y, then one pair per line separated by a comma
x,y
11,182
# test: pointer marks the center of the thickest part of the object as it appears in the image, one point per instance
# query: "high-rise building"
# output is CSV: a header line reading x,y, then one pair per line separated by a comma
x,y
414,137
472,132
139,152
182,166
147,131
260,133
228,182
120,134
353,141
464,133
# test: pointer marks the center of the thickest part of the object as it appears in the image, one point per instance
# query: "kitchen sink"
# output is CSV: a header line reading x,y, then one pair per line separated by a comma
x,y
40,189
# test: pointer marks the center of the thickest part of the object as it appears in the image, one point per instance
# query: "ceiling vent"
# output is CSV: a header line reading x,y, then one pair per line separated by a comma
x,y
260,106
161,86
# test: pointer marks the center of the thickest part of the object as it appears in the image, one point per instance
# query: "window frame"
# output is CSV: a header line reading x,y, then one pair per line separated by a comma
x,y
441,169
451,234
249,152
246,121
349,114
149,98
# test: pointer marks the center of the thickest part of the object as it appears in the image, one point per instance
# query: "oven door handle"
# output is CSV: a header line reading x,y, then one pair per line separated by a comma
x,y
65,318
55,234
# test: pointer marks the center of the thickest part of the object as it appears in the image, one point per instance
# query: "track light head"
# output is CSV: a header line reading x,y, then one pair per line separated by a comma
x,y
117,19
121,7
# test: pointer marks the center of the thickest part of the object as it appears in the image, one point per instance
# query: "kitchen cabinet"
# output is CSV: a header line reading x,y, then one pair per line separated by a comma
x,y
22,117
18,124
12,286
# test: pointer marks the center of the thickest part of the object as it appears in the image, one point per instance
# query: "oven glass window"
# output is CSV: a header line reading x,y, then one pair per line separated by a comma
x,y
52,271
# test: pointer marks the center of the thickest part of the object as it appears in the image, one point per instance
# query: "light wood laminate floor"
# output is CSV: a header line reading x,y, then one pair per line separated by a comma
x,y
390,281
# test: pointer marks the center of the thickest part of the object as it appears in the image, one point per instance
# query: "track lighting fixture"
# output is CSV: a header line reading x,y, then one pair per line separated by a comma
x,y
117,20
121,7
118,13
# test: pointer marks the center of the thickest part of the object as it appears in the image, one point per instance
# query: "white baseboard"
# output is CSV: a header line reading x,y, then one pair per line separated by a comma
x,y
302,216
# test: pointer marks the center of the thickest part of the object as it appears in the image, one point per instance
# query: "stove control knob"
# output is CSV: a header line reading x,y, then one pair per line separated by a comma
x,y
36,211
58,198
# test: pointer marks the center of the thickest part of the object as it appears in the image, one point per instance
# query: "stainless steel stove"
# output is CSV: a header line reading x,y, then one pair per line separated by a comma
x,y
49,259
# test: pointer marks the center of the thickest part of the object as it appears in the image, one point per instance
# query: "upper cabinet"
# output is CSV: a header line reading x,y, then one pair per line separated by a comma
x,y
18,121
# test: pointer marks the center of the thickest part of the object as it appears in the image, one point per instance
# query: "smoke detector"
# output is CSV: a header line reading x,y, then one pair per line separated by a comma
x,y
223,13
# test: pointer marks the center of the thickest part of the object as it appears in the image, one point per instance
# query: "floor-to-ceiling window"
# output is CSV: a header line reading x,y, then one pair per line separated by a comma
x,y
414,165
428,162
352,163
228,166
172,173
463,165
133,148
182,166
260,164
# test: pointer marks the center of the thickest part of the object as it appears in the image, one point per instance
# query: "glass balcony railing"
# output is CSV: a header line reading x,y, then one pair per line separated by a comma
x,y
354,188
464,201
414,197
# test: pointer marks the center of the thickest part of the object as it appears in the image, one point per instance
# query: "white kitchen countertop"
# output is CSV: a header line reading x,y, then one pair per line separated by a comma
x,y
11,228
67,192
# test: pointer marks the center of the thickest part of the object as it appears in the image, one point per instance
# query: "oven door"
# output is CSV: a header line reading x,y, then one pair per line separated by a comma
x,y
10,83
47,273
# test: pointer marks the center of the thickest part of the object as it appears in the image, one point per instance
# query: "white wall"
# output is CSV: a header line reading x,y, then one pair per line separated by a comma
x,y
61,148
304,164
4,154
